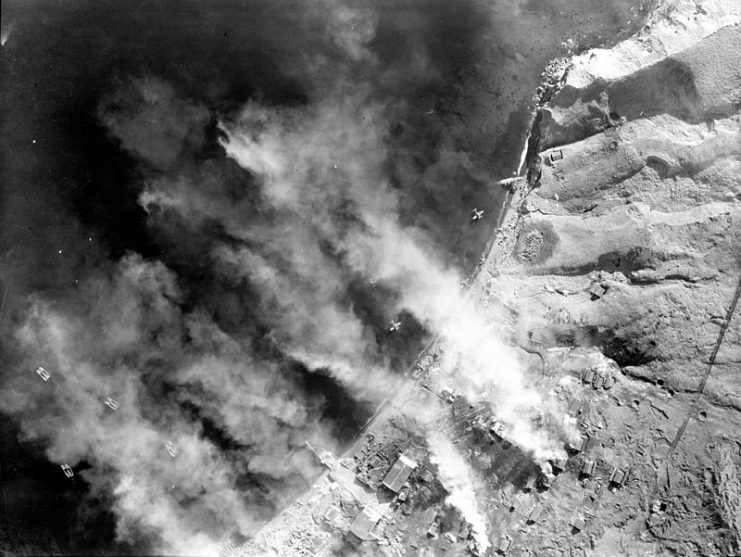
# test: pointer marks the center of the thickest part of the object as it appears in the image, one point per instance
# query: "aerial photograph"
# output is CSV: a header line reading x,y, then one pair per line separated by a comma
x,y
370,278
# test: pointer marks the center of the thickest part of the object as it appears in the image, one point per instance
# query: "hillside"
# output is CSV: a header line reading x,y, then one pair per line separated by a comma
x,y
628,248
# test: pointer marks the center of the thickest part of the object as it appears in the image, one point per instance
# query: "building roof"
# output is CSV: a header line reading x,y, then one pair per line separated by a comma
x,y
364,523
578,445
535,513
426,475
399,473
503,545
587,468
619,476
596,290
574,407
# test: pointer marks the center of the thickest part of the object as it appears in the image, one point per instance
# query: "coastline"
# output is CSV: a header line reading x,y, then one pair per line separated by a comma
x,y
499,249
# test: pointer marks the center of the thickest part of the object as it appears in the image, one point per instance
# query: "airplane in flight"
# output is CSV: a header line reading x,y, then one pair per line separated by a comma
x,y
41,372
477,214
171,449
395,326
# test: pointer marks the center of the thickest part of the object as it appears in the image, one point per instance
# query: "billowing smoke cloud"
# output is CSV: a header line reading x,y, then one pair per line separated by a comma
x,y
270,188
123,334
349,206
457,479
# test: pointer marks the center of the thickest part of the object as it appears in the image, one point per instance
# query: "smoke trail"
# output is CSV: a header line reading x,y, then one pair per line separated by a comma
x,y
327,213
456,477
293,155
125,336
341,157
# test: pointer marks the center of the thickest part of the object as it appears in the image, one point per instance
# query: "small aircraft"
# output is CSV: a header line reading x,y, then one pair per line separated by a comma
x,y
67,470
43,373
171,449
477,214
111,403
395,326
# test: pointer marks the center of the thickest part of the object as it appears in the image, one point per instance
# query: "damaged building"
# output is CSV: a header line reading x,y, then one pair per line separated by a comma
x,y
399,473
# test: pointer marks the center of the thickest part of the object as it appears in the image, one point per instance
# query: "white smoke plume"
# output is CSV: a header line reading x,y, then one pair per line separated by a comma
x,y
333,154
111,342
301,209
457,478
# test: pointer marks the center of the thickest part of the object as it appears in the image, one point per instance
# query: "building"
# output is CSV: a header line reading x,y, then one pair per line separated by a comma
x,y
497,429
545,481
315,545
558,464
399,473
535,514
587,468
331,514
426,475
503,545
619,477
364,523
578,445
574,408
596,290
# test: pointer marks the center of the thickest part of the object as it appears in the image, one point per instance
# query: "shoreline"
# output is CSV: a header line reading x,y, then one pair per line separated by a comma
x,y
498,248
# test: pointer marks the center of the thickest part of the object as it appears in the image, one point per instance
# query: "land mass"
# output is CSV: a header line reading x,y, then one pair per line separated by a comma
x,y
614,272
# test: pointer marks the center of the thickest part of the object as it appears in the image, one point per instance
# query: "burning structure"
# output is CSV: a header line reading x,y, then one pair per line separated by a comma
x,y
279,198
